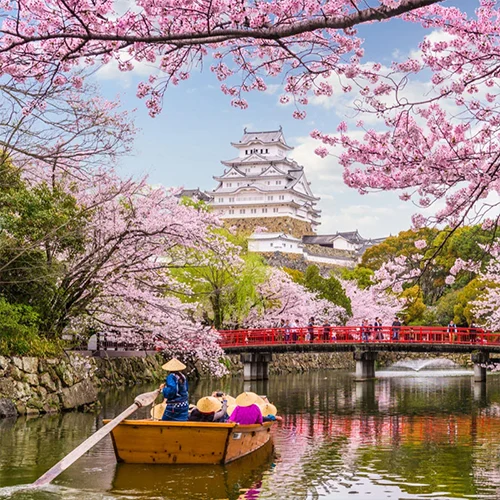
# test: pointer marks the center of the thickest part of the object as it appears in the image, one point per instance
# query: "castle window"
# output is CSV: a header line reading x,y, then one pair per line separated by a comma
x,y
242,211
270,198
253,210
261,150
267,150
231,200
221,200
246,151
275,210
264,210
278,182
282,196
231,212
271,244
229,184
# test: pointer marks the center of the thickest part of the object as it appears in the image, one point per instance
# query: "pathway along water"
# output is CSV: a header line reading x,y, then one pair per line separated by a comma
x,y
398,437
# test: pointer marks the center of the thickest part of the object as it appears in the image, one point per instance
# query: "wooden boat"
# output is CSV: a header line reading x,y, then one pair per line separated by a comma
x,y
157,442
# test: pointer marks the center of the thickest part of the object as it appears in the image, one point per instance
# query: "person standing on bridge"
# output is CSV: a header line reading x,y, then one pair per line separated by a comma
x,y
377,328
326,331
365,331
310,329
452,330
396,328
288,329
296,331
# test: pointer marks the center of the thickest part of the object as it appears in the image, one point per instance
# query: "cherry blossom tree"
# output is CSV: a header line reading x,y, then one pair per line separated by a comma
x,y
116,278
487,307
281,297
67,127
369,303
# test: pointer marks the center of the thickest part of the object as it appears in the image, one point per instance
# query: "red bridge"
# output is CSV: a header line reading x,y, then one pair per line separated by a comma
x,y
257,345
403,336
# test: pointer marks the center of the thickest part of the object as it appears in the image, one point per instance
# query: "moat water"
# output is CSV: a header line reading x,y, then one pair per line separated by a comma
x,y
419,436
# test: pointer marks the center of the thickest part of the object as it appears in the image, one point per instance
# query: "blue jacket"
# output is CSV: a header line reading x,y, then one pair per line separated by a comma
x,y
176,389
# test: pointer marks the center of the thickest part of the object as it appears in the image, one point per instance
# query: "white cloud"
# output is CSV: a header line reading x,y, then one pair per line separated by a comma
x,y
111,71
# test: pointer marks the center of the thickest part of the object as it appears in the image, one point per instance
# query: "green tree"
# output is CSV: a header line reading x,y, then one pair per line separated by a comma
x,y
36,223
463,309
327,288
415,308
362,276
224,280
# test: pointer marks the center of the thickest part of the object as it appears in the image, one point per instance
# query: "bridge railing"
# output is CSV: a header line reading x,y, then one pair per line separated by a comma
x,y
357,334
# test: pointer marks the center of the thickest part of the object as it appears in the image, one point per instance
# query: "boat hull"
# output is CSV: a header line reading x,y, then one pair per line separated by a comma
x,y
153,442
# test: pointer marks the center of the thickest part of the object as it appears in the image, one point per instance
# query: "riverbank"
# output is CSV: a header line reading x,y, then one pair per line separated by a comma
x,y
30,386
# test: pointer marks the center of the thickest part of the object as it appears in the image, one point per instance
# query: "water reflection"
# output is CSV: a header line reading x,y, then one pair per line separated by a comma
x,y
202,481
396,437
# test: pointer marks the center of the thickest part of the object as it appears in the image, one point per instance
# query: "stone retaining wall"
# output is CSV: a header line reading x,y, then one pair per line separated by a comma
x,y
31,385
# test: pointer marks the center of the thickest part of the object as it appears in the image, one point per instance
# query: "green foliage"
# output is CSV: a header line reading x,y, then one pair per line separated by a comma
x,y
225,282
362,276
415,308
445,307
327,288
463,315
200,205
37,223
296,275
394,246
19,332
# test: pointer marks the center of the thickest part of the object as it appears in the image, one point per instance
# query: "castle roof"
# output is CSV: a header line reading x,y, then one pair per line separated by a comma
x,y
263,137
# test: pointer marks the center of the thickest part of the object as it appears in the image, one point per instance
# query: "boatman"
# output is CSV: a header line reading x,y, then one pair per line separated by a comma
x,y
175,392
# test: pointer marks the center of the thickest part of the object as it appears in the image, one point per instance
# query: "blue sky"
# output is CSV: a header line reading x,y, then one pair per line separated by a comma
x,y
185,144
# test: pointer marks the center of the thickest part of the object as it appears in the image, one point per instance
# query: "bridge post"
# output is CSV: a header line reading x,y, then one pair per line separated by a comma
x,y
256,365
365,364
480,359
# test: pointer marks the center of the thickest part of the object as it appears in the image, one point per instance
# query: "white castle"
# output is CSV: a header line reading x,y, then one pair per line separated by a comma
x,y
263,188
261,184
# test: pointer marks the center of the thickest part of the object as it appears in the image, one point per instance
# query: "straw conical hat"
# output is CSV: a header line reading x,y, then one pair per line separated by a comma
x,y
230,409
208,404
230,400
158,410
174,365
268,409
247,399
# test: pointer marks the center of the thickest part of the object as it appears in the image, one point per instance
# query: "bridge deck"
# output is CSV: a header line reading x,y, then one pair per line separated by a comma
x,y
331,339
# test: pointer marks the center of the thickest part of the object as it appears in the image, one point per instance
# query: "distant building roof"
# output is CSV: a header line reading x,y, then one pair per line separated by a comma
x,y
194,193
353,237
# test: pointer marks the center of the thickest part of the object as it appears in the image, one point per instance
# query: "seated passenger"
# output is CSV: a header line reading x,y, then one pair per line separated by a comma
x,y
269,412
247,411
209,409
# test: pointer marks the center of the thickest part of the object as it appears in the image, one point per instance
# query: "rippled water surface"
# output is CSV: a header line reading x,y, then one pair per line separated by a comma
x,y
406,435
